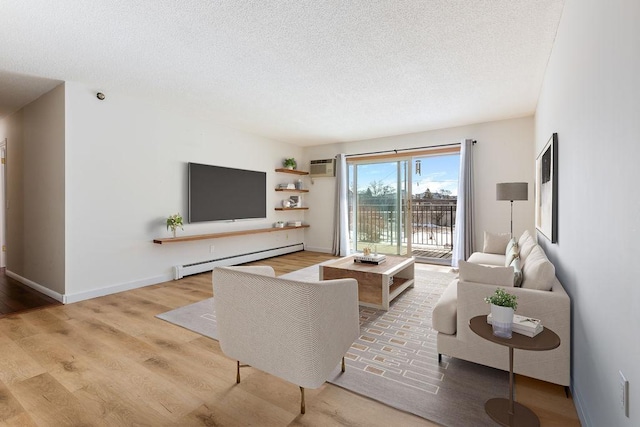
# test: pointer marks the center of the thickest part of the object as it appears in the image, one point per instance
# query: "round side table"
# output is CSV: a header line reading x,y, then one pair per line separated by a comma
x,y
507,412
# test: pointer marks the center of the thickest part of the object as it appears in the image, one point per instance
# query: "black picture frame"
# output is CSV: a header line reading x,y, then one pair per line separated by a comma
x,y
547,190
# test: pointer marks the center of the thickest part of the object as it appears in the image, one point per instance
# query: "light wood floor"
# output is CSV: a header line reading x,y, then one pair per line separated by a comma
x,y
16,297
109,361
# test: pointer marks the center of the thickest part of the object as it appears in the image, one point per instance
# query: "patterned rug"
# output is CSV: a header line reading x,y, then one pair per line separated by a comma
x,y
394,361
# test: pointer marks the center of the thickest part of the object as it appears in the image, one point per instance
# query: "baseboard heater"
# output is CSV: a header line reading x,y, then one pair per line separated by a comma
x,y
179,271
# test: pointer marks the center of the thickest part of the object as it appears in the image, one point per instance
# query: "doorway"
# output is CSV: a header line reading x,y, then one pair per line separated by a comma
x,y
405,205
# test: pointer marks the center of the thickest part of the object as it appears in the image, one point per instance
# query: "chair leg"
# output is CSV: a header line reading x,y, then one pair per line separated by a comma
x,y
566,391
343,365
302,408
439,357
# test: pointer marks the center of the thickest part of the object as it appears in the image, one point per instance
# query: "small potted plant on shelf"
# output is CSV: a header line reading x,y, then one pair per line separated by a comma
x,y
503,305
289,163
173,222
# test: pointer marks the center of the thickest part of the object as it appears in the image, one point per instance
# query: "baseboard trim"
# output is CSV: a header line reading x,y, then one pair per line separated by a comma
x,y
38,287
114,289
315,249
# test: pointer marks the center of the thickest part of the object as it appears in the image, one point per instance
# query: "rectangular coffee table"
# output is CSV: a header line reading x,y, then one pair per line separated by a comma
x,y
379,284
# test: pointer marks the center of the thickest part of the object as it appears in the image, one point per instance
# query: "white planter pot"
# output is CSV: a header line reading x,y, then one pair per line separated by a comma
x,y
502,319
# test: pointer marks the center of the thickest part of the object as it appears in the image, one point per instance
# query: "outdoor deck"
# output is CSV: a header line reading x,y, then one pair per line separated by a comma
x,y
433,253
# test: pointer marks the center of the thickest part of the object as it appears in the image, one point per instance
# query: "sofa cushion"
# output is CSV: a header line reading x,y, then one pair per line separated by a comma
x,y
511,252
499,276
486,259
495,243
538,272
443,318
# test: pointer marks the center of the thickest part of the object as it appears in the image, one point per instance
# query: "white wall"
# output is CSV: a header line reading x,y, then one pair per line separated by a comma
x,y
127,171
35,169
590,98
44,180
11,128
502,154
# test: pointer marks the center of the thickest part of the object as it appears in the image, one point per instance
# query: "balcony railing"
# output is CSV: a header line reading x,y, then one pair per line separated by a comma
x,y
432,226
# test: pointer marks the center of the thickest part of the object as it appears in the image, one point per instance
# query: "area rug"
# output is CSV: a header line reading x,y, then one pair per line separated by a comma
x,y
395,361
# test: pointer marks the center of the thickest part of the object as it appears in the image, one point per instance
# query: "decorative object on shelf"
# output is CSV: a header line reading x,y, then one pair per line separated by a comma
x,y
173,222
286,203
503,305
512,191
290,163
294,223
296,201
286,186
299,184
546,190
279,224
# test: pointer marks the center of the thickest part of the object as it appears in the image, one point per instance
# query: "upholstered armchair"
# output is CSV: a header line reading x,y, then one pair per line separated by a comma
x,y
295,330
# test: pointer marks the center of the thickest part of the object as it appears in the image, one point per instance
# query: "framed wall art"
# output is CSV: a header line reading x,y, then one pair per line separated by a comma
x,y
547,190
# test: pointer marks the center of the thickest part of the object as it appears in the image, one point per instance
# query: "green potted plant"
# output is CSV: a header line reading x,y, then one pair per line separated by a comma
x,y
289,163
503,305
173,222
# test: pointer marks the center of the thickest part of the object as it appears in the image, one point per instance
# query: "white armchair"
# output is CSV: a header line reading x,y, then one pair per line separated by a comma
x,y
295,330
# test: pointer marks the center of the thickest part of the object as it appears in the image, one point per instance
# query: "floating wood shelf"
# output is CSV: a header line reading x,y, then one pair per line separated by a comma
x,y
162,241
292,209
292,171
292,190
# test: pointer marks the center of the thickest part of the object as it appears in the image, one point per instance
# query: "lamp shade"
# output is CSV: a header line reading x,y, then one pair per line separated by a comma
x,y
512,191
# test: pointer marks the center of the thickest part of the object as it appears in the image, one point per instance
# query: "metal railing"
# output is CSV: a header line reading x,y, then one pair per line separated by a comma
x,y
432,225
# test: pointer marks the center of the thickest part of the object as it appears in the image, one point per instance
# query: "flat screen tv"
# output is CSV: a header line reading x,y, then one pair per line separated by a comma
x,y
217,193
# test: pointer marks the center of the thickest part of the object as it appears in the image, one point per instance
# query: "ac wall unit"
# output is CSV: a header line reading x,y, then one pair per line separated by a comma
x,y
324,167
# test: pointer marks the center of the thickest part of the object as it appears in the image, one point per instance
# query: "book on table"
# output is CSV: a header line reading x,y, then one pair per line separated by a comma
x,y
523,325
369,259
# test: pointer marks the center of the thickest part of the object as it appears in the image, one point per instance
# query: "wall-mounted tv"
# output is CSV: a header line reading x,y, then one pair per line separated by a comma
x,y
217,193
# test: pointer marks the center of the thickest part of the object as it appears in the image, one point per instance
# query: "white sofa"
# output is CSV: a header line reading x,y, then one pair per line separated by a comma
x,y
295,330
541,296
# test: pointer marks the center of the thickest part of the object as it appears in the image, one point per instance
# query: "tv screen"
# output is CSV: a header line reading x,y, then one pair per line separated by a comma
x,y
217,193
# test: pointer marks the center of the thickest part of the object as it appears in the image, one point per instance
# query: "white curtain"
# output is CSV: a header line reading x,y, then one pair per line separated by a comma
x,y
341,219
464,232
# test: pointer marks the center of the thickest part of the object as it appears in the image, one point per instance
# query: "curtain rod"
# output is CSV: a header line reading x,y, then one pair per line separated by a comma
x,y
405,149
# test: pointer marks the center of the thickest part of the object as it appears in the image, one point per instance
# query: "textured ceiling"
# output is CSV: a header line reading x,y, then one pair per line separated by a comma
x,y
306,72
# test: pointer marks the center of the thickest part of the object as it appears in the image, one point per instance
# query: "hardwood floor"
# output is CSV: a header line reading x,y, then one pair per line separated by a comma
x,y
109,361
16,297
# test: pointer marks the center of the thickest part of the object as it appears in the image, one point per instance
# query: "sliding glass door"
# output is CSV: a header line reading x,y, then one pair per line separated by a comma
x,y
433,206
379,194
405,206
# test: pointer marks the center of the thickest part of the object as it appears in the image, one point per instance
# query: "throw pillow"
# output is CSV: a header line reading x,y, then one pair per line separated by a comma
x,y
538,272
517,272
511,253
499,276
525,235
525,245
495,243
